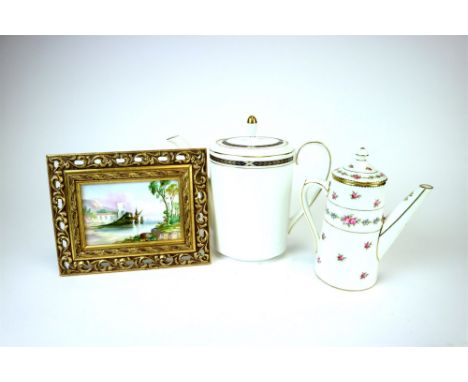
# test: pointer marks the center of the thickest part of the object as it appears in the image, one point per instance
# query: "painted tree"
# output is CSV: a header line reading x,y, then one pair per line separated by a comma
x,y
172,191
159,188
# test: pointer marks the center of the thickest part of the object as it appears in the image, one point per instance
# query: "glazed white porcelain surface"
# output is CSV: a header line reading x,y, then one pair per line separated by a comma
x,y
250,206
251,180
347,250
347,260
355,232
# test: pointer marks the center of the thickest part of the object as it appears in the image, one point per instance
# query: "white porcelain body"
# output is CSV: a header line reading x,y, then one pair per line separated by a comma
x,y
250,210
354,234
347,250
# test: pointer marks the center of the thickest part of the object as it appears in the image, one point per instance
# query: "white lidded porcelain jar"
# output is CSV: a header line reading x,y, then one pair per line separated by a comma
x,y
251,178
355,232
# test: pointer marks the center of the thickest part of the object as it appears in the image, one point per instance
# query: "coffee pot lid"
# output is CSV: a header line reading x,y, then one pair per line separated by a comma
x,y
252,147
359,172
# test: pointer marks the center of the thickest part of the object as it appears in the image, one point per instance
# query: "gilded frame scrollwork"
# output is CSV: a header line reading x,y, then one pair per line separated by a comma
x,y
68,172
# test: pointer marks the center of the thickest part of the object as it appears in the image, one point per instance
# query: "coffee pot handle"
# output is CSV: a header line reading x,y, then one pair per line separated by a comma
x,y
306,205
298,215
178,141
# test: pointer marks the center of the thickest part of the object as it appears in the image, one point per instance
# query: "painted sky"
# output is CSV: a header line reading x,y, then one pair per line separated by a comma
x,y
131,195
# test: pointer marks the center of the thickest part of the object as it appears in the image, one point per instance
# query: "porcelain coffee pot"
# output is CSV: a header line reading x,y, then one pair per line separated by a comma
x,y
355,233
251,180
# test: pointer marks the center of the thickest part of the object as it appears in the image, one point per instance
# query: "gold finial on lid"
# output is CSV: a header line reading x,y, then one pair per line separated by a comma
x,y
251,119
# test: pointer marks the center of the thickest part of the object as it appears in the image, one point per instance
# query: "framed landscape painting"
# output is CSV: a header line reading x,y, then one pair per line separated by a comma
x,y
129,210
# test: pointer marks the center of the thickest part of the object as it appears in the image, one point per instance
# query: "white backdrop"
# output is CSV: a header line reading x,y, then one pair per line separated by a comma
x,y
404,98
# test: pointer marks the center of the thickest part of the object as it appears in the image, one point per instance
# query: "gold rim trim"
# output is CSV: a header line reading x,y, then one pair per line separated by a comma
x,y
358,184
251,156
426,186
353,209
279,142
341,229
346,290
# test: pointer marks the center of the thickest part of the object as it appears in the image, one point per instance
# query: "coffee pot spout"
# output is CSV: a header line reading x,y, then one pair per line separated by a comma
x,y
397,220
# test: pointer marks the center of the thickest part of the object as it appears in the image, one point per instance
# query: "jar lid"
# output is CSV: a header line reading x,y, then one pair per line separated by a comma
x,y
359,172
252,150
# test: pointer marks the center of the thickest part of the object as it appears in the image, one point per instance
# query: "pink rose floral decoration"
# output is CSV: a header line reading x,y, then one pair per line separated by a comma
x,y
367,245
356,176
340,257
376,203
349,220
364,275
355,195
334,195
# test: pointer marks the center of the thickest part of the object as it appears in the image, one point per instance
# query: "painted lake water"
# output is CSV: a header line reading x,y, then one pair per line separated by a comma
x,y
112,235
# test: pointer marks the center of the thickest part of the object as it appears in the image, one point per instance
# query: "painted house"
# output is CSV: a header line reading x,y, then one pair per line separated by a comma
x,y
101,216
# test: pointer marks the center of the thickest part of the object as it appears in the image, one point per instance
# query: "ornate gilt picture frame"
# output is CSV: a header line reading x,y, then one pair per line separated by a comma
x,y
129,210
